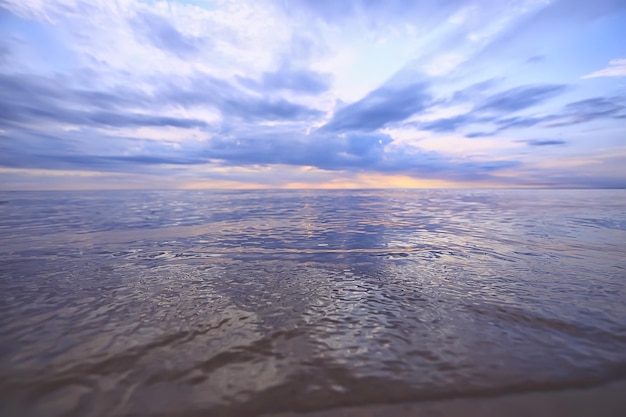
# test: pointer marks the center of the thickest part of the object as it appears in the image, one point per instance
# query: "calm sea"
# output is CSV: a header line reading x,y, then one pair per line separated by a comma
x,y
242,303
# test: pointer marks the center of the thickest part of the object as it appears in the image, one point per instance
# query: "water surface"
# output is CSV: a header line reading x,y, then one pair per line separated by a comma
x,y
242,303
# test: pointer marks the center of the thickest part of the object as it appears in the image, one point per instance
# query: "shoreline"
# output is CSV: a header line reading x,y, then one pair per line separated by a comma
x,y
605,400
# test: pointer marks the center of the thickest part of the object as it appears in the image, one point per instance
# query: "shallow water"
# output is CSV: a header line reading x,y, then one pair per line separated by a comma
x,y
242,303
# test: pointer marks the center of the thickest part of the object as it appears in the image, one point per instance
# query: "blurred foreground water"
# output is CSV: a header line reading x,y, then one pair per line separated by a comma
x,y
248,302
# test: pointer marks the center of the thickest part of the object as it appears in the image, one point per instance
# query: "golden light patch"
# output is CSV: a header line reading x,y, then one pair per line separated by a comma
x,y
377,181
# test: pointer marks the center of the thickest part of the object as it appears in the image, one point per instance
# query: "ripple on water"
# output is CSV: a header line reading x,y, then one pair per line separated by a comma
x,y
232,303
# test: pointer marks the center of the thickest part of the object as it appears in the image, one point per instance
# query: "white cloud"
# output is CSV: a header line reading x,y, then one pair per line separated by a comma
x,y
463,15
443,64
107,34
616,68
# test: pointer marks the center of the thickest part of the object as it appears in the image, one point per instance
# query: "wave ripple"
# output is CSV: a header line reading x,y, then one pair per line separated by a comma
x,y
242,303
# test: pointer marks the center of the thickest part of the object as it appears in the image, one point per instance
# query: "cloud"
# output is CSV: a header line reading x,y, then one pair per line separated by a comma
x,y
182,88
28,89
616,68
475,91
479,134
535,59
28,100
325,151
486,112
122,163
5,53
522,121
449,124
328,10
162,34
352,154
231,101
443,64
582,111
90,150
543,142
296,80
384,105
591,109
487,109
375,14
520,98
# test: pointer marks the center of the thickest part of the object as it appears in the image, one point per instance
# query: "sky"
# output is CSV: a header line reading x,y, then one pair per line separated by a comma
x,y
192,94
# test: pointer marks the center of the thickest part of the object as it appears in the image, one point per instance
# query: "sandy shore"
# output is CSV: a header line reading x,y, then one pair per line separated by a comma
x,y
608,400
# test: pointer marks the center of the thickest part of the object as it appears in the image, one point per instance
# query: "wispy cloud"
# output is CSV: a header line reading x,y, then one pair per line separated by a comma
x,y
616,68
543,142
520,98
162,34
289,79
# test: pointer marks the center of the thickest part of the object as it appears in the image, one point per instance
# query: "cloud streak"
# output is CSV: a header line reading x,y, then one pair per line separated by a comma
x,y
616,68
380,107
162,34
543,142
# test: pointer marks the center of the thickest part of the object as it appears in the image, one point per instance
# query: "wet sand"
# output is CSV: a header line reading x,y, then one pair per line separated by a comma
x,y
608,400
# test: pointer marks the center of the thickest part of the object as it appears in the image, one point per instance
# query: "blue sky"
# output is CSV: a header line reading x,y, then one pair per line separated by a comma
x,y
312,93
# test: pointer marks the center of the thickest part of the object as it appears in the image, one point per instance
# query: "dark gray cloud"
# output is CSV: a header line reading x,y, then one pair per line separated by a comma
x,y
352,152
166,37
88,149
29,89
252,109
99,161
520,98
543,142
479,134
327,151
27,100
297,80
473,92
384,105
494,110
488,109
243,146
573,113
234,102
592,109
451,124
522,121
